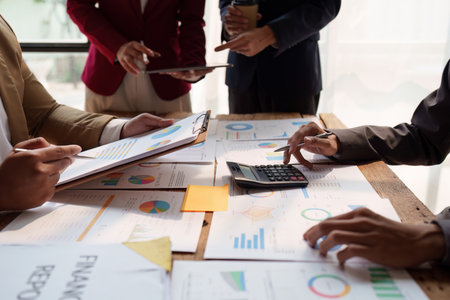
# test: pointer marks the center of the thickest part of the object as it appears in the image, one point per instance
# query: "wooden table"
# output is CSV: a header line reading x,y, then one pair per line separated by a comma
x,y
435,281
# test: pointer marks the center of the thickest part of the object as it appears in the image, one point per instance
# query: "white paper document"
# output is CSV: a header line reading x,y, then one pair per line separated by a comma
x,y
260,152
79,271
199,153
108,217
210,280
269,224
151,175
260,130
134,148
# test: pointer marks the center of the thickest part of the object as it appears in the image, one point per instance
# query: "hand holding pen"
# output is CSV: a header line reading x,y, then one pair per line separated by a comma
x,y
35,170
132,52
312,138
319,136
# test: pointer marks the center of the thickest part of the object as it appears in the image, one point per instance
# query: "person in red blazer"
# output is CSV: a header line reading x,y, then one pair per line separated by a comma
x,y
172,32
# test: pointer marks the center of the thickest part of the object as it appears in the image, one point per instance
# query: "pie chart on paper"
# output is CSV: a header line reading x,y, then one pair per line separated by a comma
x,y
166,132
158,144
267,145
154,207
141,179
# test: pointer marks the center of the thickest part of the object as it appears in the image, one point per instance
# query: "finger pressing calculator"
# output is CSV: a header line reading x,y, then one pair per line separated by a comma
x,y
266,175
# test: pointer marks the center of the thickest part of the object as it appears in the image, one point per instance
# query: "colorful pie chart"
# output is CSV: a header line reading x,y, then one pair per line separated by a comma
x,y
328,286
315,214
271,156
166,132
154,207
267,145
239,126
141,179
158,144
149,165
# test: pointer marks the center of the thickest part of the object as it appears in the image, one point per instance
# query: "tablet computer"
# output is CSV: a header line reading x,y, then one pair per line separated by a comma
x,y
195,68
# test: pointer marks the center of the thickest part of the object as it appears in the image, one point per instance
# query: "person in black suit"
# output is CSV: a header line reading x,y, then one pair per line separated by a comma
x,y
424,141
276,65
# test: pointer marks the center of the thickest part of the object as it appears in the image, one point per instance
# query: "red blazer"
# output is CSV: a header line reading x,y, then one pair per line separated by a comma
x,y
115,22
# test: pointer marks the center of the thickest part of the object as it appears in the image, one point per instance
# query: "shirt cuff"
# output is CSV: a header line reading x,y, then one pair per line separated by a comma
x,y
445,226
111,132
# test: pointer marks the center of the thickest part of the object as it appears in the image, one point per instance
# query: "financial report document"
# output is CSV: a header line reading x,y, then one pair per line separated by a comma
x,y
205,280
260,129
269,223
102,217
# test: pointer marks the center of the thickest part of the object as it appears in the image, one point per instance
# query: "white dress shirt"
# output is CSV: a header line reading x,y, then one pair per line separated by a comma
x,y
5,134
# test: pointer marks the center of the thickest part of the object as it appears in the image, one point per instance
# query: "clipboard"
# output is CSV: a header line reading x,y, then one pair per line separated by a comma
x,y
199,128
194,68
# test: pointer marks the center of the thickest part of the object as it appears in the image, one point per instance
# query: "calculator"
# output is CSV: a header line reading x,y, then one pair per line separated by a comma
x,y
266,175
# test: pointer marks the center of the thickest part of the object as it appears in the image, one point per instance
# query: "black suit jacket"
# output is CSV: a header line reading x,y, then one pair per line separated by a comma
x,y
293,69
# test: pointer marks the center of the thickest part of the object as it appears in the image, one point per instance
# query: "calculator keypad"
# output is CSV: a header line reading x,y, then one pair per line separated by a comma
x,y
281,172
259,176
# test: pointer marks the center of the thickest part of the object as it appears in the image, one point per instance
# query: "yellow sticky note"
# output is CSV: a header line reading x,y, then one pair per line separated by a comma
x,y
157,251
205,198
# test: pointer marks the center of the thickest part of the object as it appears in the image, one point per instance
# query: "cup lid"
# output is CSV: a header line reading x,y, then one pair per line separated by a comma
x,y
243,2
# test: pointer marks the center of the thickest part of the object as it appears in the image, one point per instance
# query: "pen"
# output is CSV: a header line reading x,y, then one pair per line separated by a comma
x,y
144,55
320,136
72,156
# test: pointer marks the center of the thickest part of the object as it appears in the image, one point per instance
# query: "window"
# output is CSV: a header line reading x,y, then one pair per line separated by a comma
x,y
54,48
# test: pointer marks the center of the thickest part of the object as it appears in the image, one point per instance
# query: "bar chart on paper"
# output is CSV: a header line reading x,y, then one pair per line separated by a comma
x,y
252,241
269,224
114,152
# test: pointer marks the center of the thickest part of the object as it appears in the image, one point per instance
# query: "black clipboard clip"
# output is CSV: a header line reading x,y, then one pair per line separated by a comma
x,y
200,124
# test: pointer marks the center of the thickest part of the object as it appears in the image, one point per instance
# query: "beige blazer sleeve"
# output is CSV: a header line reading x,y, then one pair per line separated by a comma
x,y
32,111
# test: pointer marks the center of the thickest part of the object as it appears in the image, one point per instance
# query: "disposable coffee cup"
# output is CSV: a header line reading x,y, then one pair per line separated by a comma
x,y
249,9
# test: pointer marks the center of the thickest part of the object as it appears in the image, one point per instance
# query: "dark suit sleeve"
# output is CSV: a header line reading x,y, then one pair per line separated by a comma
x,y
426,141
192,35
306,19
100,32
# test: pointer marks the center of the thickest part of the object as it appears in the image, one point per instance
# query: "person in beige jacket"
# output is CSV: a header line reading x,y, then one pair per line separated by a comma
x,y
30,118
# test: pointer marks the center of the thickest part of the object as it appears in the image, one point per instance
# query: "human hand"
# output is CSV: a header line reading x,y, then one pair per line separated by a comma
x,y
378,239
191,75
130,52
305,134
27,179
250,43
235,22
142,123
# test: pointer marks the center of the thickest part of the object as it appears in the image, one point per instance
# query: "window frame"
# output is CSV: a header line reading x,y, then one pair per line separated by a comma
x,y
55,47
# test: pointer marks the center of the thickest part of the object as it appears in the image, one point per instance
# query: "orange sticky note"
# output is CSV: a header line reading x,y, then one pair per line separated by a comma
x,y
205,198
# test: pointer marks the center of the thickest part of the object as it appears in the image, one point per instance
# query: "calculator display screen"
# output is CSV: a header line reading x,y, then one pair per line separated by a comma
x,y
247,172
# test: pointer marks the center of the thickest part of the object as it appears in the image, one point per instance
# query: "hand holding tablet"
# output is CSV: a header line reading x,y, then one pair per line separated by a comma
x,y
208,68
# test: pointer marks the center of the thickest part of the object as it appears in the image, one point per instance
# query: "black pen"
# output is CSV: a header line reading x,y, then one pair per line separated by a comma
x,y
16,150
320,136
